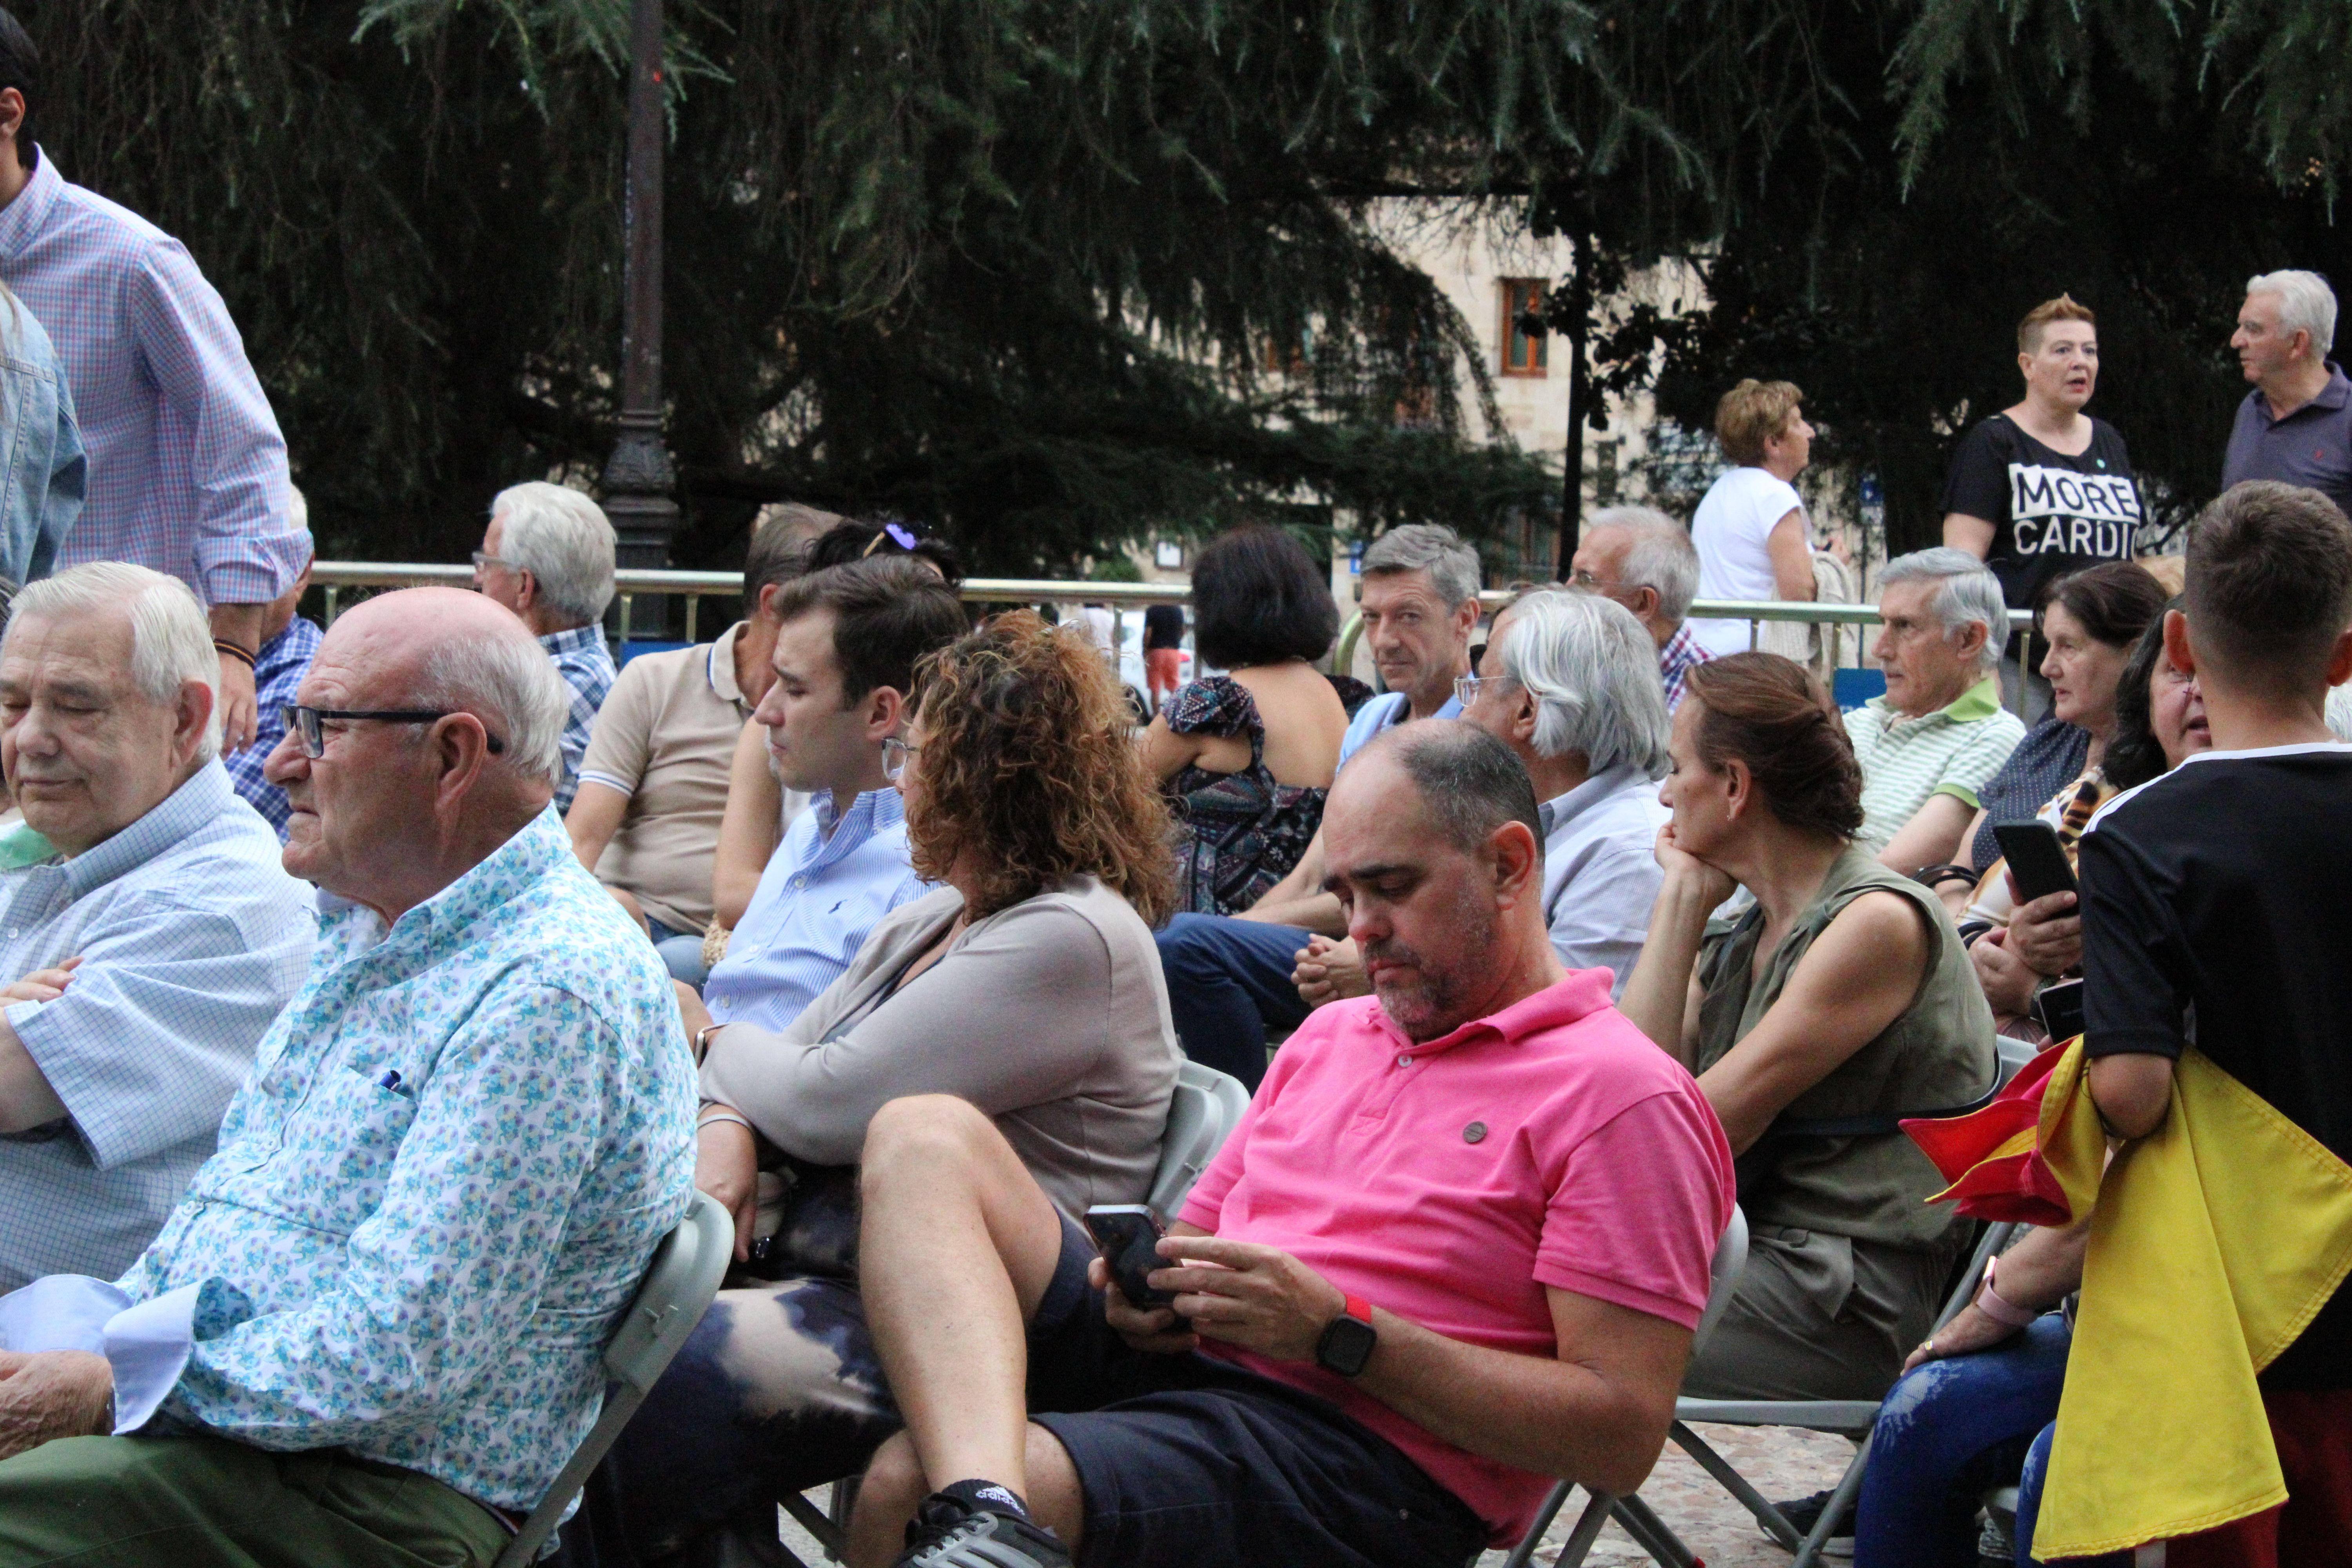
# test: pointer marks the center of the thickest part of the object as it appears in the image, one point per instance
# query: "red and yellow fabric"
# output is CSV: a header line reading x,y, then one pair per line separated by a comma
x,y
2214,1241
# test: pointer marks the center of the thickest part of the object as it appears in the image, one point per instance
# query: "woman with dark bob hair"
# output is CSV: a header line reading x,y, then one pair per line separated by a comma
x,y
1839,1001
1027,985
1246,758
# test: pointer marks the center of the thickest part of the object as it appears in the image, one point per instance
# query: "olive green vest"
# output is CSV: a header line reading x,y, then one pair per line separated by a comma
x,y
1937,1055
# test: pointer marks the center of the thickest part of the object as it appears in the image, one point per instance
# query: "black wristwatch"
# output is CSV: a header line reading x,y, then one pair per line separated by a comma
x,y
1348,1340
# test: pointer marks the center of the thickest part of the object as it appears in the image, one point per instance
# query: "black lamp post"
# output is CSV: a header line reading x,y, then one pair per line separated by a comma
x,y
638,477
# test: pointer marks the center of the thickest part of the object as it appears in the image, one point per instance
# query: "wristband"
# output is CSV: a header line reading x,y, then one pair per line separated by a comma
x,y
222,645
2001,1311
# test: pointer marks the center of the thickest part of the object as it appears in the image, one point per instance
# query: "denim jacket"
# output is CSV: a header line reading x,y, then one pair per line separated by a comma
x,y
42,470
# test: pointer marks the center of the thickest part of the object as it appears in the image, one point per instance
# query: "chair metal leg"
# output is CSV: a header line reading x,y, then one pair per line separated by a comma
x,y
1655,1536
1775,1523
1579,1545
1525,1551
829,1535
1849,1486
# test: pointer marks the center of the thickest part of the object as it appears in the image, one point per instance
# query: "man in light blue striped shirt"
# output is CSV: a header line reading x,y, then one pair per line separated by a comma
x,y
149,956
847,646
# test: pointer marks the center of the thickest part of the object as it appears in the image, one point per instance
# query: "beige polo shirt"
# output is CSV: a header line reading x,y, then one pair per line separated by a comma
x,y
665,738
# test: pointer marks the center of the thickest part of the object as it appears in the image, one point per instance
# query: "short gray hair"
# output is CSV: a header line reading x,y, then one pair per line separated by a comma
x,y
1661,558
564,541
2305,304
513,687
1968,592
1452,566
171,637
1594,672
1471,782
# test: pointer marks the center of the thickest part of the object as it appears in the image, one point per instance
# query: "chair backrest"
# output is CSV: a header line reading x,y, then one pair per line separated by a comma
x,y
1203,1108
1723,1276
677,1290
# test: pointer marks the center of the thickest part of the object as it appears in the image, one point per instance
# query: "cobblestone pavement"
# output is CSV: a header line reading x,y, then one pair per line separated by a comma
x,y
1782,1463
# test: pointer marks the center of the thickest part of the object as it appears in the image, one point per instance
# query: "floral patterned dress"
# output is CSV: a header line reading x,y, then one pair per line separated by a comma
x,y
1238,832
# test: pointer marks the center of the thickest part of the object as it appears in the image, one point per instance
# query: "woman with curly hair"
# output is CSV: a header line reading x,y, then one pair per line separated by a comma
x,y
1028,984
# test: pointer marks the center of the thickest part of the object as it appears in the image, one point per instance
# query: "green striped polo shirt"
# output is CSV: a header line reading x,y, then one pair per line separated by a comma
x,y
1954,750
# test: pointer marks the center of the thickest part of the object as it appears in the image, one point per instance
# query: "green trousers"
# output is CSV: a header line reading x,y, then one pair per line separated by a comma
x,y
205,1502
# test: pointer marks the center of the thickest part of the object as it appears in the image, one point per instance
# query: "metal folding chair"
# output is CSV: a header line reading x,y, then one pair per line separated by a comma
x,y
677,1289
1633,1514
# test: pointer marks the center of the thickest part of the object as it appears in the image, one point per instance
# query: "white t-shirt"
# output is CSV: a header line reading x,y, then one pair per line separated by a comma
x,y
1730,528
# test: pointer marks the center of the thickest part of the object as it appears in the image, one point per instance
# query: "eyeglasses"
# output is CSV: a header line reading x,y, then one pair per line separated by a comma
x,y
482,561
1467,687
895,753
307,724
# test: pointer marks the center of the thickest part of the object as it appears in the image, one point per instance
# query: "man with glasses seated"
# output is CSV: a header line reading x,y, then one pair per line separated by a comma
x,y
144,959
372,1332
847,641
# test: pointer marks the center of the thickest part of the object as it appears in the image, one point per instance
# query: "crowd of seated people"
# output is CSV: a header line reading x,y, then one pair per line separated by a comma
x,y
1025,985
400,1152
1229,977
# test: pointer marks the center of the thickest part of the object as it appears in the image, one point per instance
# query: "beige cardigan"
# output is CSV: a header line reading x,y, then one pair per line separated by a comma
x,y
1051,1016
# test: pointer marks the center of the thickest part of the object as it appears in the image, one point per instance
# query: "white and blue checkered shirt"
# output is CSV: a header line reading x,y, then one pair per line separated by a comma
x,y
192,938
187,469
277,676
586,665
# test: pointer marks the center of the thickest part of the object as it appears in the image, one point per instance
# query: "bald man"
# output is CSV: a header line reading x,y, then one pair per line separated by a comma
x,y
375,1325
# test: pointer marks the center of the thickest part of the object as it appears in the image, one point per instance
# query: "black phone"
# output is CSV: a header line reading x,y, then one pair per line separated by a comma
x,y
1128,1235
2059,1008
2036,858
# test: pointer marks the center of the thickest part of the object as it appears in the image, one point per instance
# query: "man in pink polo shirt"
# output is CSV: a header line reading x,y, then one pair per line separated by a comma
x,y
1456,1249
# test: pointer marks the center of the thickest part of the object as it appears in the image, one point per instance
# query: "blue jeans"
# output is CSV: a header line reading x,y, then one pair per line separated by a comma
x,y
1949,1432
1228,984
681,952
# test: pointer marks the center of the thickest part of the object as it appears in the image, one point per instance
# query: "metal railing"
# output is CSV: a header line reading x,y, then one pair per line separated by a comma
x,y
334,577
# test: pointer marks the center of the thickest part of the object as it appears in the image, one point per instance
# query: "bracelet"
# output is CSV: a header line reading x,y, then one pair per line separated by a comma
x,y
1999,1308
702,1042
1936,876
222,645
710,1117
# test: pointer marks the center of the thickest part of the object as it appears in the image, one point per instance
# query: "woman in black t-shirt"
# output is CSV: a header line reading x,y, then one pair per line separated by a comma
x,y
2042,489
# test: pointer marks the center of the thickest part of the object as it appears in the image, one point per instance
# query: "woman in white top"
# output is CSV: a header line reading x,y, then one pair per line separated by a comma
x,y
1750,527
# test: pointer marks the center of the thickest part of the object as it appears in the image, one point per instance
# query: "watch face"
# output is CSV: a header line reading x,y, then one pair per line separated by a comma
x,y
1347,1344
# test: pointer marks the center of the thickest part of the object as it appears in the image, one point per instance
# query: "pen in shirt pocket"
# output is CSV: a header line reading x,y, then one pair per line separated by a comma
x,y
395,1082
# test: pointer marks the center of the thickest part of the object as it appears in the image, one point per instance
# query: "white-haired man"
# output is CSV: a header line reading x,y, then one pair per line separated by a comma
x,y
1940,732
1645,561
1566,685
376,1325
546,555
2295,425
149,954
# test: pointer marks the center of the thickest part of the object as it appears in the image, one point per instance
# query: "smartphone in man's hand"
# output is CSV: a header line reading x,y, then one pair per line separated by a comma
x,y
1128,1235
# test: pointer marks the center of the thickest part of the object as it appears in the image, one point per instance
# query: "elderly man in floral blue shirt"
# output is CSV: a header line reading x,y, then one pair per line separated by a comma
x,y
373,1331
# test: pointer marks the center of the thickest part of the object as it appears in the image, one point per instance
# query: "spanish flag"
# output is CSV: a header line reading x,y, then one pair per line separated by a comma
x,y
2214,1242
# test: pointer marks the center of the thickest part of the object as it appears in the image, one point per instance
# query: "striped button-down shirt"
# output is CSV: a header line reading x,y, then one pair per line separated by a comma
x,y
285,661
190,939
187,469
586,665
1681,654
826,888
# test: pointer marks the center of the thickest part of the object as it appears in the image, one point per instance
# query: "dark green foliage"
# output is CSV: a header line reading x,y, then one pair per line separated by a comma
x,y
1006,266
1988,156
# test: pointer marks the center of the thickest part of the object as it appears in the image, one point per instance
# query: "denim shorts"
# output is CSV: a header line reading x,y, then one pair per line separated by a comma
x,y
1187,1460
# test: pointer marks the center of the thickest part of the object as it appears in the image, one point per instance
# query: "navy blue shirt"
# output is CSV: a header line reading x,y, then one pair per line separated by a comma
x,y
2311,446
